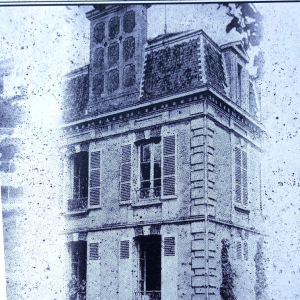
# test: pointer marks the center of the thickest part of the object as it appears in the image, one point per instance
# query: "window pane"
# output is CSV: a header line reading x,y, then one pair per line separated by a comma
x,y
157,152
146,153
157,170
145,171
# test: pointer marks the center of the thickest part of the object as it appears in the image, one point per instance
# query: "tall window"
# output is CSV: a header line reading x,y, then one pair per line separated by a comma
x,y
77,283
241,185
157,168
150,170
80,182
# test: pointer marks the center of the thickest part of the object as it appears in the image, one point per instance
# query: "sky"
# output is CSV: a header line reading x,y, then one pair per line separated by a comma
x,y
46,42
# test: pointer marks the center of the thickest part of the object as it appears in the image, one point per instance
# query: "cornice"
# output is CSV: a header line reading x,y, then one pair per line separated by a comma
x,y
185,220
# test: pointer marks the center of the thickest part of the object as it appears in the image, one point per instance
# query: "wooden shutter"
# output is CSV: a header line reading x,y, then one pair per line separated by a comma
x,y
94,249
126,173
169,246
238,177
95,178
124,249
169,165
245,250
244,177
239,250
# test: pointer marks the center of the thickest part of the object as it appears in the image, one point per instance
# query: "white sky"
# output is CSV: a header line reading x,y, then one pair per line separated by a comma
x,y
47,42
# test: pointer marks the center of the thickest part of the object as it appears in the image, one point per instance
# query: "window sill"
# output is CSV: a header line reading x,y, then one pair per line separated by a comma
x,y
76,213
123,203
242,209
144,203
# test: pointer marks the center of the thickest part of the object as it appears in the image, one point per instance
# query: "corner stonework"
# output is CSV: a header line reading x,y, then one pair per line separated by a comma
x,y
203,201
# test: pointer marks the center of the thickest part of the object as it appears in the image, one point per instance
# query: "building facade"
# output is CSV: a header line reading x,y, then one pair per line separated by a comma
x,y
162,164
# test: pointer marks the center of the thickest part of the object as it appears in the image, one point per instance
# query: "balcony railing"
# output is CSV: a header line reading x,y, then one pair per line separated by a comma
x,y
148,194
148,295
77,204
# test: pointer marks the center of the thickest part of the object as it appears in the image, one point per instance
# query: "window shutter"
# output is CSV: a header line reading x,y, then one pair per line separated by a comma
x,y
124,249
244,172
169,246
95,178
245,250
126,173
239,250
238,177
169,165
94,249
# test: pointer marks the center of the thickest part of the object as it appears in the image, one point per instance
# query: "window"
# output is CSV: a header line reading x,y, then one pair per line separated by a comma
x,y
241,186
149,267
157,165
78,255
80,182
150,170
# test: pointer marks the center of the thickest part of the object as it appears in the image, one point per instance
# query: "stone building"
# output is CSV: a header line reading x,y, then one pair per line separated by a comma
x,y
162,168
12,91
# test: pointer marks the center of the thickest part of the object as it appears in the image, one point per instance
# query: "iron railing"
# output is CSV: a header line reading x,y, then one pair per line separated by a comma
x,y
77,204
148,194
148,295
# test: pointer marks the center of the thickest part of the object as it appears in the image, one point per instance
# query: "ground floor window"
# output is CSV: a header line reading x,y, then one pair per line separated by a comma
x,y
149,268
77,284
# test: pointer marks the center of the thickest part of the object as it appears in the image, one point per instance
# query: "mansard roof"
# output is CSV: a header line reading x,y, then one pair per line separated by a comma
x,y
180,62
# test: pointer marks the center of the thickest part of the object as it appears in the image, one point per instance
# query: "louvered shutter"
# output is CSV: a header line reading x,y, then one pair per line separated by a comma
x,y
126,173
95,179
169,165
169,246
245,250
238,177
244,176
124,249
239,250
94,249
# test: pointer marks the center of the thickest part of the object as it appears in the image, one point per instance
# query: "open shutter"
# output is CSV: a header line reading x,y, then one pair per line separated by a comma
x,y
238,177
95,179
126,173
244,173
169,165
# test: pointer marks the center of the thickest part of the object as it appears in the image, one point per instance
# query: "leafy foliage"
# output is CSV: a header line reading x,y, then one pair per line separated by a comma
x,y
245,19
226,289
261,279
77,287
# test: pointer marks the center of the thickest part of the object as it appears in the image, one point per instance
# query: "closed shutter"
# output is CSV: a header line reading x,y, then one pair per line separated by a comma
x,y
238,177
126,173
239,250
169,246
94,249
245,250
95,179
169,165
244,172
124,249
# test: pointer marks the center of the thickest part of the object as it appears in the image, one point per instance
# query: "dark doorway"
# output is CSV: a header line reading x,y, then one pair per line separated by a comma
x,y
150,263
